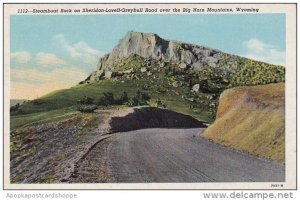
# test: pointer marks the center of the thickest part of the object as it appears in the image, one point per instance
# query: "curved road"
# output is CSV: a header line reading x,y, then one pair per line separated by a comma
x,y
175,155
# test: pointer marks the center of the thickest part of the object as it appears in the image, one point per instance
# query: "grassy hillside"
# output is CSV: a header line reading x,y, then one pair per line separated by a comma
x,y
251,119
68,98
17,121
162,81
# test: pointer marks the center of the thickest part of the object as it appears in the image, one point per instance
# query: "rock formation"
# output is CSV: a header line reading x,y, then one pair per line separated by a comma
x,y
151,46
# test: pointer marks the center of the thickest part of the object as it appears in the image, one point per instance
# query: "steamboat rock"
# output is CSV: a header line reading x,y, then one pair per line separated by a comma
x,y
151,46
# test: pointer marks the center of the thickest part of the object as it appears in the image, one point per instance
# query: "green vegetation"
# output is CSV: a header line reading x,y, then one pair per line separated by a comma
x,y
45,116
15,108
86,100
257,73
132,61
140,99
86,108
86,105
124,99
212,80
69,97
158,104
170,85
106,99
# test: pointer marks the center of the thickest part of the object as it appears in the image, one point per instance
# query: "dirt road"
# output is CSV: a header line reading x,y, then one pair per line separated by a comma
x,y
174,155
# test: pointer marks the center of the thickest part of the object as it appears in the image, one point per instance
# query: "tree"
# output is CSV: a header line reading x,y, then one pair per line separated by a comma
x,y
87,100
144,98
134,102
141,98
138,94
124,98
15,108
106,99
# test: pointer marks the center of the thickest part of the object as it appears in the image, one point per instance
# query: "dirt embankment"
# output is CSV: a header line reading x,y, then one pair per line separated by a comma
x,y
251,119
153,118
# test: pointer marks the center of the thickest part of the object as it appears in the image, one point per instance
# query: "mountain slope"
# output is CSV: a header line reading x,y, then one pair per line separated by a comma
x,y
186,78
251,119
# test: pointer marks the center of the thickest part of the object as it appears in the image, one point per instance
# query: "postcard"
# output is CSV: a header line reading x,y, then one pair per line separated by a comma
x,y
149,96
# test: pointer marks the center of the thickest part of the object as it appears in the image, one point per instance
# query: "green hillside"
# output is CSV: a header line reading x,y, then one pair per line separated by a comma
x,y
181,89
257,73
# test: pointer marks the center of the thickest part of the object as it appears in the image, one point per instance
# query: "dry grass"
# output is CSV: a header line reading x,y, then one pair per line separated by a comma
x,y
251,119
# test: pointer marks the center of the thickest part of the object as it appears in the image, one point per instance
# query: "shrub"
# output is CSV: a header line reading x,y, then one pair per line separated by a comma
x,y
144,98
15,108
258,73
86,105
85,108
134,101
160,104
106,99
86,100
141,98
123,99
212,80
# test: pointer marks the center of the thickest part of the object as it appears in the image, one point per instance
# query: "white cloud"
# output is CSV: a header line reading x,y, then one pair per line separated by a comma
x,y
48,59
65,68
261,51
21,57
32,83
80,51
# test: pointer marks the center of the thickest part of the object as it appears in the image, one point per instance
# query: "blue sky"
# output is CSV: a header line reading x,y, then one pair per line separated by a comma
x,y
51,46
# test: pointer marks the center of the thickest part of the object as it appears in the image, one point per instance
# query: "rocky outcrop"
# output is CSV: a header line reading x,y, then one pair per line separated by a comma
x,y
143,69
151,46
196,88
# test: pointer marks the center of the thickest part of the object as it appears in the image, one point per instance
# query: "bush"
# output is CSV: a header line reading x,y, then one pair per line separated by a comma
x,y
106,99
15,108
141,98
134,101
144,98
86,105
160,104
212,80
87,108
86,100
123,99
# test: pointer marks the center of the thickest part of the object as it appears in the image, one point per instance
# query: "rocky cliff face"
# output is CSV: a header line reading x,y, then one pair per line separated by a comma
x,y
151,46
